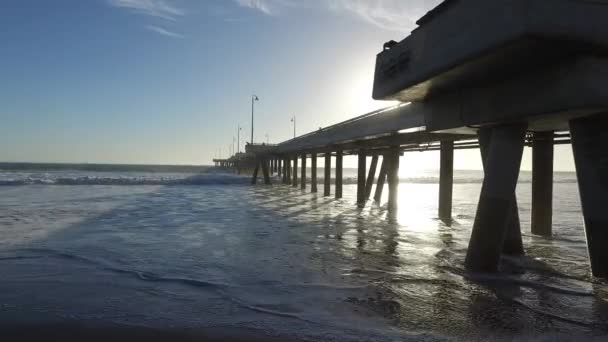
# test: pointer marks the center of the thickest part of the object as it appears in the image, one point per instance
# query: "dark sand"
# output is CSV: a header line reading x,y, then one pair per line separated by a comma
x,y
82,332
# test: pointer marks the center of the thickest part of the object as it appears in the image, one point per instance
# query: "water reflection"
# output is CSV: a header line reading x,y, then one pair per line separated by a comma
x,y
413,266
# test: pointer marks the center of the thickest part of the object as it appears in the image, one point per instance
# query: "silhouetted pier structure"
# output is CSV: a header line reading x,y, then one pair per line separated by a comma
x,y
528,72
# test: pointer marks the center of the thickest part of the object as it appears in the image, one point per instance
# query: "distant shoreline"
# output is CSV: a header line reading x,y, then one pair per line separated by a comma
x,y
31,166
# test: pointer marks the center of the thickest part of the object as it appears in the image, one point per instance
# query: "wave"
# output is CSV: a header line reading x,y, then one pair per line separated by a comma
x,y
203,179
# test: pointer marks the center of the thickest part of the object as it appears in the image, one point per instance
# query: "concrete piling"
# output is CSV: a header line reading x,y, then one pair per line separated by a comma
x,y
502,151
254,178
286,170
381,179
590,147
513,244
303,170
370,176
393,178
542,183
361,172
313,172
339,155
266,171
294,181
327,175
446,181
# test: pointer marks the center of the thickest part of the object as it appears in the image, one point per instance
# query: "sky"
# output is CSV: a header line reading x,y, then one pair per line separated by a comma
x,y
169,81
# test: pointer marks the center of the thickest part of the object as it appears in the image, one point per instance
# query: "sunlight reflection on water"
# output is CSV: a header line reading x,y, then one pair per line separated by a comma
x,y
286,260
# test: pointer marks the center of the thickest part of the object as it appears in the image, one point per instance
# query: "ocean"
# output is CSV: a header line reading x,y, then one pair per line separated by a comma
x,y
195,248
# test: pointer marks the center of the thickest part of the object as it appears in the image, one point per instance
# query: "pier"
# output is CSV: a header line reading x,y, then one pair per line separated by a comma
x,y
507,82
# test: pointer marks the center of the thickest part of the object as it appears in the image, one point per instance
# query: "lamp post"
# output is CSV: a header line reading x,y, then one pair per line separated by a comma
x,y
293,119
253,99
267,139
238,139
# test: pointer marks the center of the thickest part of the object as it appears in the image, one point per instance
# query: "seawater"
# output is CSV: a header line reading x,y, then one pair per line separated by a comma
x,y
206,249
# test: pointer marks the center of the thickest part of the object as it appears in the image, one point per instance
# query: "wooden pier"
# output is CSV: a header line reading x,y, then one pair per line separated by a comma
x,y
537,77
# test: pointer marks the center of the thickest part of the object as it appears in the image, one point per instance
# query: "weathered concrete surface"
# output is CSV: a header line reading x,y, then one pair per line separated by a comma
x,y
447,52
446,181
513,244
361,172
495,205
339,170
371,176
590,146
327,175
542,183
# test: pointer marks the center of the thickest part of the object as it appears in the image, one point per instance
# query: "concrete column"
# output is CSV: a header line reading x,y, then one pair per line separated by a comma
x,y
280,166
313,172
287,173
542,183
361,172
327,175
495,208
370,177
303,178
446,181
339,155
590,146
393,178
266,171
513,244
381,179
254,178
294,181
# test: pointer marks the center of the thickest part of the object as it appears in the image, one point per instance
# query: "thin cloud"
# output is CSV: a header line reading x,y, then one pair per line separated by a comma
x,y
154,8
394,15
163,31
263,6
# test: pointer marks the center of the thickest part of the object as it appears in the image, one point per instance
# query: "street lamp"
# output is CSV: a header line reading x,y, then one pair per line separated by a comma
x,y
293,119
238,139
253,99
267,139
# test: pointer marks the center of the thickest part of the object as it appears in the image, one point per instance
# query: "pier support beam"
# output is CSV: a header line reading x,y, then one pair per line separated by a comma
x,y
371,176
339,155
294,181
313,172
446,181
513,244
254,178
542,183
361,172
502,157
280,167
590,146
327,175
393,178
266,171
303,177
284,175
381,179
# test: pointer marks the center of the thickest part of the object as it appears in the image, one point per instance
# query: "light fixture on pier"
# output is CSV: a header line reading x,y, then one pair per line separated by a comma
x,y
253,99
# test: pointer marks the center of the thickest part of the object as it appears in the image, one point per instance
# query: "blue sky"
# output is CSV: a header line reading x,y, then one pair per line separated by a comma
x,y
162,81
